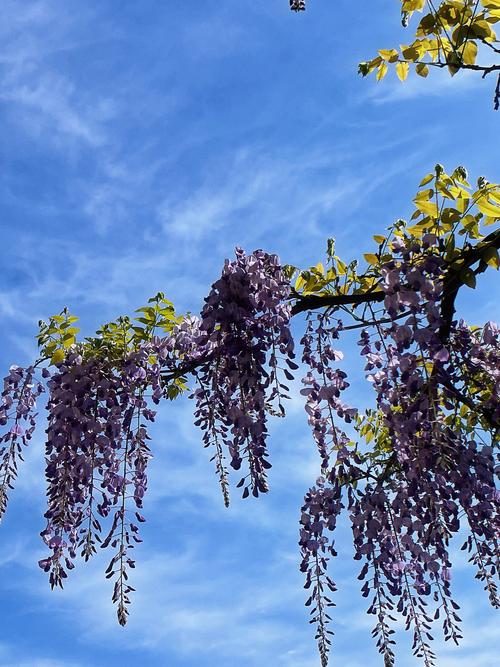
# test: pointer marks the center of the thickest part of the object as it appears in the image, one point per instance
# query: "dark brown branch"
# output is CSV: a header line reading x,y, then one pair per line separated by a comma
x,y
371,323
313,301
185,369
490,45
485,69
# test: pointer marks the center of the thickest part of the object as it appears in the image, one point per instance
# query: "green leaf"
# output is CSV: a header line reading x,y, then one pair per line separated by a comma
x,y
422,70
330,248
300,282
57,357
427,207
371,258
491,257
469,54
389,55
381,71
426,179
486,207
468,278
402,70
341,267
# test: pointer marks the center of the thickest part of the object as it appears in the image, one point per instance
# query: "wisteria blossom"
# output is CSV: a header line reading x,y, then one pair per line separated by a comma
x,y
246,322
19,396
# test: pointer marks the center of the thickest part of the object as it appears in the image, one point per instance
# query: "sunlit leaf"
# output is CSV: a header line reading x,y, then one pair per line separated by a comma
x,y
371,258
402,70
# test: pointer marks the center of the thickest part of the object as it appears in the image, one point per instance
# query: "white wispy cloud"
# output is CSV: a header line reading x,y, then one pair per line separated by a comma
x,y
263,190
285,200
40,96
184,604
48,104
437,84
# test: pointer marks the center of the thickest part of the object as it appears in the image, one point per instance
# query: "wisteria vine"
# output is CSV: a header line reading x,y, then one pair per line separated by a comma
x,y
414,472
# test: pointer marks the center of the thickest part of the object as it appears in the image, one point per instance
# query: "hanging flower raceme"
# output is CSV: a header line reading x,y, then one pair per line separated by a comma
x,y
324,383
322,506
323,386
475,375
476,363
245,322
17,416
70,460
97,454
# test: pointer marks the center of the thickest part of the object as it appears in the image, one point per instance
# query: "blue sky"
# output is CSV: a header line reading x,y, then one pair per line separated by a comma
x,y
142,141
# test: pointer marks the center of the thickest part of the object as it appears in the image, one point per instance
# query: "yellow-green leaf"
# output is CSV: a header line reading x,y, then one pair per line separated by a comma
x,y
426,180
427,207
402,70
371,258
462,204
469,54
469,221
390,55
495,196
410,53
425,194
300,282
57,357
422,70
419,229
491,257
468,278
480,28
486,207
341,267
381,71
413,5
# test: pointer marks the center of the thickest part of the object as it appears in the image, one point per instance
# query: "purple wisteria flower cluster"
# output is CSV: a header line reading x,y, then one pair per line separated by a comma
x,y
17,412
96,458
435,473
323,503
322,507
323,386
246,323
